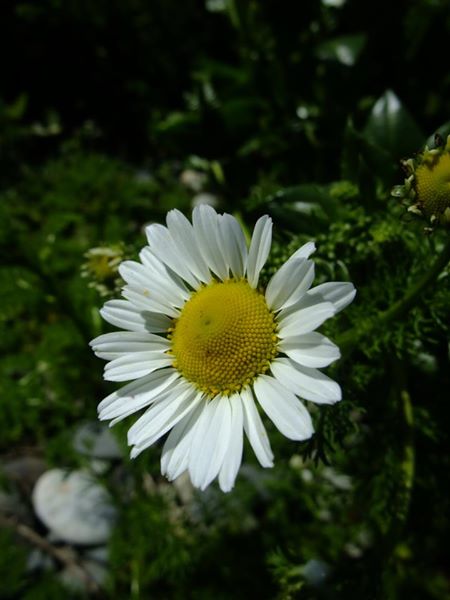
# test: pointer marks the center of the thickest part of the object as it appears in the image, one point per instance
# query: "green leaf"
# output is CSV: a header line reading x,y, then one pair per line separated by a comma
x,y
19,291
360,149
345,49
176,121
306,193
16,110
392,127
306,207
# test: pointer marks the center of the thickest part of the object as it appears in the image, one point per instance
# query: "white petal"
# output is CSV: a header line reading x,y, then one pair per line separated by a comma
x,y
123,314
310,384
163,246
141,301
283,408
135,365
339,293
160,418
289,283
310,350
233,455
112,345
176,450
233,244
210,442
167,402
255,430
259,249
150,282
155,287
304,251
163,278
206,228
183,236
305,319
136,395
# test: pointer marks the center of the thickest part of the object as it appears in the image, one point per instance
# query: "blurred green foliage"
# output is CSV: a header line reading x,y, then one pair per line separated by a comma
x,y
112,113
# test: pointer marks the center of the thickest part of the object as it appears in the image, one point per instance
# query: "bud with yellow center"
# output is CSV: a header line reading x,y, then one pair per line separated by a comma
x,y
428,184
101,268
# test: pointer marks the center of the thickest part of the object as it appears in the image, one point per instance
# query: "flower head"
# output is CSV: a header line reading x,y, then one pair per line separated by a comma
x,y
101,268
427,184
204,345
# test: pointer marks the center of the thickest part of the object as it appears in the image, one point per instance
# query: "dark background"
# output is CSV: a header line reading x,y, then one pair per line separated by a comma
x,y
302,110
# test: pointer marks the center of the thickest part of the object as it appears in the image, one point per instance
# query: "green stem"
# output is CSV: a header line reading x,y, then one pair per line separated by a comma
x,y
408,464
391,547
349,339
405,432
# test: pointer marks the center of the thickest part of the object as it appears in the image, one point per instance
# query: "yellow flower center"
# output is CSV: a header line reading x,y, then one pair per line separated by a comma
x,y
433,185
224,337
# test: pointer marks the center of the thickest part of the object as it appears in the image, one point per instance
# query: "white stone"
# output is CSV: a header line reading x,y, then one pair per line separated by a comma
x,y
74,507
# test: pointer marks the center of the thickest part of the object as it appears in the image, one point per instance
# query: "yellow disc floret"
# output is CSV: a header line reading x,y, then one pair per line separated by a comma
x,y
224,338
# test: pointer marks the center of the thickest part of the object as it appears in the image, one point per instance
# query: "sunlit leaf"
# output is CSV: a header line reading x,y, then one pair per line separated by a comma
x,y
392,127
344,49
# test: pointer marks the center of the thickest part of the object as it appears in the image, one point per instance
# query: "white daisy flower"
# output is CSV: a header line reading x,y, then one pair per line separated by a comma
x,y
204,345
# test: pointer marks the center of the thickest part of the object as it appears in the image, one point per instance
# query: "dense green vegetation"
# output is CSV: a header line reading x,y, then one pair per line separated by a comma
x,y
111,113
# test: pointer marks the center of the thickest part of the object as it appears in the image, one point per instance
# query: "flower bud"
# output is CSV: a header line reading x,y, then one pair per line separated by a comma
x,y
427,184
